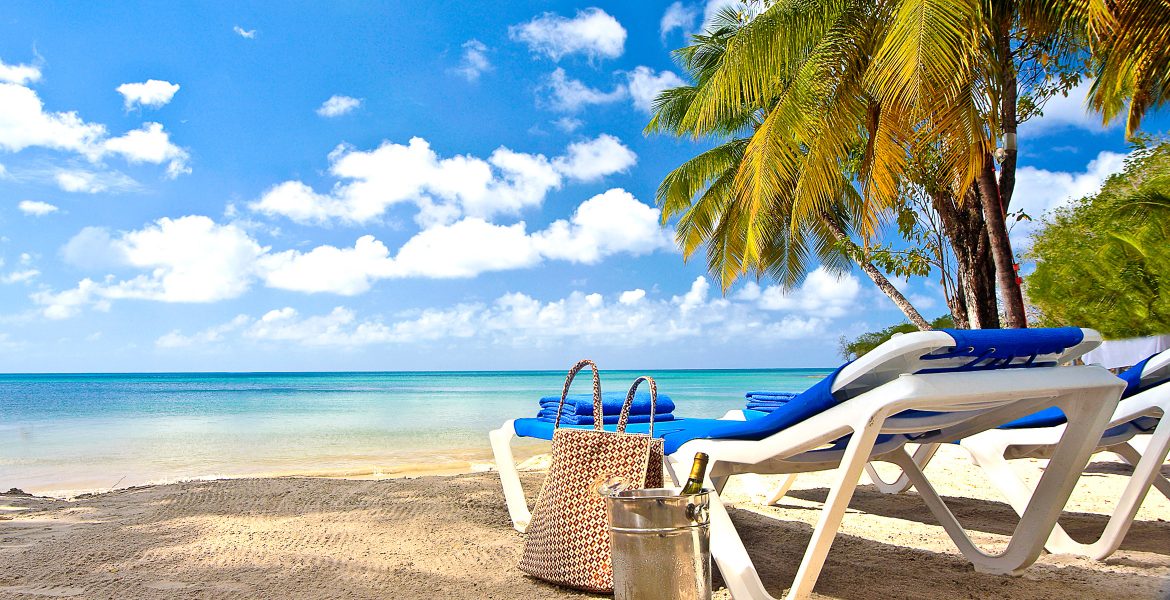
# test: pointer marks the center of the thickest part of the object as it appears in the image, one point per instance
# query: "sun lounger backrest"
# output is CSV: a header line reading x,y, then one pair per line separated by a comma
x,y
1152,371
962,350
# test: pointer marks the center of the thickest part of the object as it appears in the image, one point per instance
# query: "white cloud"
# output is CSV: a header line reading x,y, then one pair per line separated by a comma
x,y
1039,191
444,189
465,249
592,32
518,319
475,60
570,95
188,259
645,85
336,106
20,276
345,271
609,223
36,208
90,182
193,259
1066,112
632,296
152,93
244,33
211,335
24,123
677,16
593,159
821,294
150,144
565,124
19,74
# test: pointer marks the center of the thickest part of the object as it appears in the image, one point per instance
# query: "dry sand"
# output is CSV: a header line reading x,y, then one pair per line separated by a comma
x,y
446,537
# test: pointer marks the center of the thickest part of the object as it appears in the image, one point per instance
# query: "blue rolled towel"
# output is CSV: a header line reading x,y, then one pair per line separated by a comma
x,y
770,396
611,402
767,401
550,416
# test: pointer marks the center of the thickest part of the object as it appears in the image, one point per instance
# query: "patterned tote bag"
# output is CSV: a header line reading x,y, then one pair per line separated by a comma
x,y
567,540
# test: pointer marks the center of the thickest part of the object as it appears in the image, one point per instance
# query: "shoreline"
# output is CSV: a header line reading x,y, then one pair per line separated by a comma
x,y
529,456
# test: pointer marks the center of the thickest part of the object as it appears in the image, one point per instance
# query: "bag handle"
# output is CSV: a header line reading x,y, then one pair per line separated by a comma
x,y
598,416
630,402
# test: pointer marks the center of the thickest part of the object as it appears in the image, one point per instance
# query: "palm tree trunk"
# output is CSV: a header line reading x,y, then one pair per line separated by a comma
x,y
1001,248
876,276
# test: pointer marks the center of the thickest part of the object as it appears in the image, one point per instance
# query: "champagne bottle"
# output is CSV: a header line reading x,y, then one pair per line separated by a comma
x,y
698,469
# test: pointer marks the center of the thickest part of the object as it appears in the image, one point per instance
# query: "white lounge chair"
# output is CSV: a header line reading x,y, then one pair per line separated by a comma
x,y
1139,413
932,387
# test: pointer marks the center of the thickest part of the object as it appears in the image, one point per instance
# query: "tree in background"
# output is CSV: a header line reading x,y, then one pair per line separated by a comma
x,y
1104,261
853,349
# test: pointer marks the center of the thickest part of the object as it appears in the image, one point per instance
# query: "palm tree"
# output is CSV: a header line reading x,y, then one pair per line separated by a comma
x,y
757,230
897,78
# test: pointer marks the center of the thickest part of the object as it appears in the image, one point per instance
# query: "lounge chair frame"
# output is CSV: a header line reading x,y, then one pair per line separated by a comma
x,y
963,403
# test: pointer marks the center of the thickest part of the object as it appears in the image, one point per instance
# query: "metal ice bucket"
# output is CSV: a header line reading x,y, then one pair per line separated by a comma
x,y
661,544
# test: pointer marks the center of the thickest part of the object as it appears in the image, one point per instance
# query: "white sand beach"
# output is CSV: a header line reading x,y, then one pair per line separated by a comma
x,y
449,536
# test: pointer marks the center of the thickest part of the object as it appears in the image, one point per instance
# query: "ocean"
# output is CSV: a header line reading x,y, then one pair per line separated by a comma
x,y
68,434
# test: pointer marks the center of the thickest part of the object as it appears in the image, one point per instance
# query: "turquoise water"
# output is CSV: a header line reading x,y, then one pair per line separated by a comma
x,y
69,433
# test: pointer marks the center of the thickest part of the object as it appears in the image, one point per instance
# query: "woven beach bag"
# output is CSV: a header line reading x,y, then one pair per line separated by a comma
x,y
567,540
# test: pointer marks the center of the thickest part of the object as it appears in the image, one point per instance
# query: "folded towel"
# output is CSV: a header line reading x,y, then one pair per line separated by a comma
x,y
551,417
770,396
611,403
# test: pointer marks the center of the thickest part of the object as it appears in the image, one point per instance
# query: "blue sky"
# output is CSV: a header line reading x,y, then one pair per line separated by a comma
x,y
337,186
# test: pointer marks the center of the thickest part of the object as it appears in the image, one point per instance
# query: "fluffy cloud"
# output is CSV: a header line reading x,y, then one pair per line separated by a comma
x,y
24,123
519,319
193,259
475,61
1039,191
211,335
244,33
677,16
336,106
606,224
645,85
1066,112
150,144
569,95
592,32
90,182
821,294
189,259
19,74
152,93
345,271
610,223
444,189
36,208
593,159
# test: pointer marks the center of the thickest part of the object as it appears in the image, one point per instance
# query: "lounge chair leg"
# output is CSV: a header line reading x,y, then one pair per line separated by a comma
x,y
781,490
501,440
848,474
922,455
1130,455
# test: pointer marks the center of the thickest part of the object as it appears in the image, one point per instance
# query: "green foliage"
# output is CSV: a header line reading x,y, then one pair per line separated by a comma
x,y
852,349
1104,261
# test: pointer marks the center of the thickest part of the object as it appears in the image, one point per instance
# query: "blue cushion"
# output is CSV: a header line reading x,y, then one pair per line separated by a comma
x,y
1052,416
995,348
